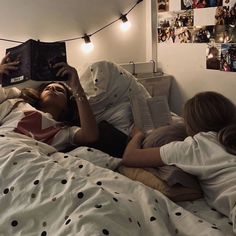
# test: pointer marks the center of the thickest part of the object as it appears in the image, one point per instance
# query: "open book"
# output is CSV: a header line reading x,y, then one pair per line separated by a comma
x,y
150,113
36,62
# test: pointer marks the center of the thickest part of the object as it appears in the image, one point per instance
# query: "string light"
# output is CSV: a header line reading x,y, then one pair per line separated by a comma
x,y
87,46
125,24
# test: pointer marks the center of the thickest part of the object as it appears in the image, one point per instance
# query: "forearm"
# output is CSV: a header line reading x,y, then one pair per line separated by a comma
x,y
135,156
89,131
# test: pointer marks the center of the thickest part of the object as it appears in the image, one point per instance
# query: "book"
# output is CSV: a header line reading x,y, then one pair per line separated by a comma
x,y
36,62
150,113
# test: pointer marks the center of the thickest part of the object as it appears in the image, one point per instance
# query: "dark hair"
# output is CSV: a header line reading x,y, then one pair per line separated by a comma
x,y
32,96
211,111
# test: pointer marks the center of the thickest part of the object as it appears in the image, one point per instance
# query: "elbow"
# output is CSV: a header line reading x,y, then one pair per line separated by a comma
x,y
126,159
93,137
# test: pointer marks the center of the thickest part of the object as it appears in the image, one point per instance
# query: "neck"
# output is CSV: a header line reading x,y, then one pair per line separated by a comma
x,y
53,111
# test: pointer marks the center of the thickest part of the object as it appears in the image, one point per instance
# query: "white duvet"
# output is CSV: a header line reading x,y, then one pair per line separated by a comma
x,y
44,193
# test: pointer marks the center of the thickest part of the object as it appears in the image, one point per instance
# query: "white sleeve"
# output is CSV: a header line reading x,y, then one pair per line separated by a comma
x,y
65,137
8,93
183,154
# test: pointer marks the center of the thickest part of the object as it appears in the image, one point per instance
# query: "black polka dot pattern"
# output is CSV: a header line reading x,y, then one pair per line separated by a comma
x,y
36,182
64,181
44,233
152,218
102,195
6,191
14,223
80,195
68,221
105,232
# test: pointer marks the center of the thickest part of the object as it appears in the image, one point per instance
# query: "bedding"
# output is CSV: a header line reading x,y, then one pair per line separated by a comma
x,y
108,87
45,192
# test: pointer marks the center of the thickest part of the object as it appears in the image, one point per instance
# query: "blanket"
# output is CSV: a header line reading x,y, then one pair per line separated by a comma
x,y
45,192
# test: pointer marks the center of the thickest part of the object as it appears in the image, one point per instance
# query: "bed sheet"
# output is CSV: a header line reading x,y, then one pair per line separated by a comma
x,y
45,192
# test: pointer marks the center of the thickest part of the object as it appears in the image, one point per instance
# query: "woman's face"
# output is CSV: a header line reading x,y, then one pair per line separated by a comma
x,y
54,94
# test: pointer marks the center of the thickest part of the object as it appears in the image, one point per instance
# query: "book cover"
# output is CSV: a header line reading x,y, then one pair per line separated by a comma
x,y
36,62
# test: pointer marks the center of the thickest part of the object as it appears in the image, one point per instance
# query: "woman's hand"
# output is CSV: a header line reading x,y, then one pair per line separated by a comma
x,y
136,132
66,70
7,66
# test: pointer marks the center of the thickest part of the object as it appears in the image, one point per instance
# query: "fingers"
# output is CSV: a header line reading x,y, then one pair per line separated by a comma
x,y
6,58
63,69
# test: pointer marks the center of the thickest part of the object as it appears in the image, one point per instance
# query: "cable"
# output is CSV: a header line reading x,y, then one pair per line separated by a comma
x,y
85,36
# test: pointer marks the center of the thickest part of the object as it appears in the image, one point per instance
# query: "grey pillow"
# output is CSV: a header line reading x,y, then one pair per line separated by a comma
x,y
165,134
172,175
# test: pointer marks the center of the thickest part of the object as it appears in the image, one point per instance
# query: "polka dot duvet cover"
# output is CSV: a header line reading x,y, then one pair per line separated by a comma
x,y
44,192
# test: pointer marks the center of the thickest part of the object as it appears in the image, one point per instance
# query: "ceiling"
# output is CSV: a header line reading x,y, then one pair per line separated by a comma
x,y
57,19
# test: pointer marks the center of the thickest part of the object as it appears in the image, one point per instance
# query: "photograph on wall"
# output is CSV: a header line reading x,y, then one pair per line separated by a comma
x,y
174,27
225,34
176,19
174,35
186,4
162,5
228,57
213,54
226,15
203,34
183,35
229,3
206,3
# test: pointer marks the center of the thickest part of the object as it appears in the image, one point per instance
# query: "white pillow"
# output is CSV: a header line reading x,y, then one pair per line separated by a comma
x,y
107,86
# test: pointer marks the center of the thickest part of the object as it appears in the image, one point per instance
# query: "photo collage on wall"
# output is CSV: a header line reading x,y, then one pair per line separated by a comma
x,y
212,22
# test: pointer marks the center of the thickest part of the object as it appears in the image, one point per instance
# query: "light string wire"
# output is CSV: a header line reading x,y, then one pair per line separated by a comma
x,y
85,35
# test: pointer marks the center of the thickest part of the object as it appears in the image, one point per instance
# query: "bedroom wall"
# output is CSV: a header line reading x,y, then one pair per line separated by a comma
x,y
58,19
186,63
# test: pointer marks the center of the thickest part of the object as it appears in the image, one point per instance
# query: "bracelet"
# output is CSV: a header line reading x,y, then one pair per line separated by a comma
x,y
80,97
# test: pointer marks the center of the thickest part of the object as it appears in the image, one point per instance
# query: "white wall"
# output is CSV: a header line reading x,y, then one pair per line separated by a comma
x,y
186,62
59,19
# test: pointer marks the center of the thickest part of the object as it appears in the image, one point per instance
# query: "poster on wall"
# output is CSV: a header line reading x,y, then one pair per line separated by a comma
x,y
203,34
228,57
226,15
163,5
175,27
210,22
188,4
225,34
221,57
213,54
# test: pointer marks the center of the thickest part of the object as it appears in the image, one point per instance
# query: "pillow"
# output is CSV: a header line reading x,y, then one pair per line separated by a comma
x,y
170,174
165,134
176,193
108,87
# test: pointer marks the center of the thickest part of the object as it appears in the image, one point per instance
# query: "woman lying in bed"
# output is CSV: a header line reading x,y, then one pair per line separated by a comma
x,y
208,153
49,114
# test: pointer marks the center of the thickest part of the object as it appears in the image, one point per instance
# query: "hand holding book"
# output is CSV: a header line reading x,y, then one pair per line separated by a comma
x,y
65,70
7,66
37,60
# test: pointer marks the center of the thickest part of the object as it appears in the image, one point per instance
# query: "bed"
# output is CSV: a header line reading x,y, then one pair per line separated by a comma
x,y
46,192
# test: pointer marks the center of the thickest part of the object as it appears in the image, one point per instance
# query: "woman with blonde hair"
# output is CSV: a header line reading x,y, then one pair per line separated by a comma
x,y
209,151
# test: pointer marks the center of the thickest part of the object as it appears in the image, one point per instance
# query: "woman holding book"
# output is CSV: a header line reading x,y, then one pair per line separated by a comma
x,y
57,113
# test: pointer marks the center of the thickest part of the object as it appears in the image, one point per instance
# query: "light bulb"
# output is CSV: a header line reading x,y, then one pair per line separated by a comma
x,y
87,46
125,24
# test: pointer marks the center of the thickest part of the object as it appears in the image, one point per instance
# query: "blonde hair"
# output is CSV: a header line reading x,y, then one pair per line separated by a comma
x,y
211,111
